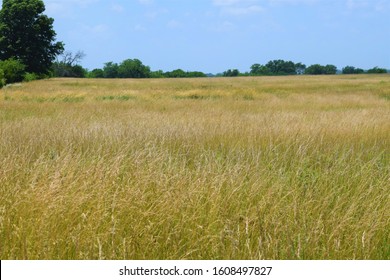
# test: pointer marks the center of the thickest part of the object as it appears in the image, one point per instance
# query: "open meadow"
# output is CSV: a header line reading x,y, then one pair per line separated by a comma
x,y
211,168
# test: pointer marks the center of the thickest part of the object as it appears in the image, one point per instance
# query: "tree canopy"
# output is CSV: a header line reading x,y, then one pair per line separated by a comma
x,y
317,69
352,70
376,70
277,67
133,68
26,34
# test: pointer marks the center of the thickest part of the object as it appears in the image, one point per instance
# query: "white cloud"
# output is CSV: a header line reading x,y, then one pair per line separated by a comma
x,y
60,8
117,8
96,29
293,2
373,5
233,2
238,7
173,24
145,2
81,3
240,11
225,26
140,28
357,4
382,6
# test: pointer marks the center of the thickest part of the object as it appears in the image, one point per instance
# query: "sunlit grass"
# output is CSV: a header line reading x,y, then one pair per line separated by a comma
x,y
246,168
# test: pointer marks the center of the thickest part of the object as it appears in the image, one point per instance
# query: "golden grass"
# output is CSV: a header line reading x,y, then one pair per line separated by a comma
x,y
232,168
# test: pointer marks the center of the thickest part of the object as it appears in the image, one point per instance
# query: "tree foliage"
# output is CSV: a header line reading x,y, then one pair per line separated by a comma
x,y
68,65
277,67
2,79
231,73
377,70
26,34
13,70
110,70
281,67
259,70
133,68
96,73
352,70
317,69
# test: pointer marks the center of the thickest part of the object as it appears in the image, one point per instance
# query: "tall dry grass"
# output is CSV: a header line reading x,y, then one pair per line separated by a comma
x,y
247,168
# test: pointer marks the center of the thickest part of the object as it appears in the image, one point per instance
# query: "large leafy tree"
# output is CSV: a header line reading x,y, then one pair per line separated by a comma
x,y
27,34
133,68
317,69
281,67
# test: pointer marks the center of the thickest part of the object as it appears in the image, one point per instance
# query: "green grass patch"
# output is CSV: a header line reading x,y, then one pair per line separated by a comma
x,y
116,97
197,97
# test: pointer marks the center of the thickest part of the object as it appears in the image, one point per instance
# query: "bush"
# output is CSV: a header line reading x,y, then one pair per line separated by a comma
x,y
2,80
28,77
13,70
96,73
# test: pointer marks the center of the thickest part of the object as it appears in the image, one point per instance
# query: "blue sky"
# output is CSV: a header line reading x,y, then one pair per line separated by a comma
x,y
215,35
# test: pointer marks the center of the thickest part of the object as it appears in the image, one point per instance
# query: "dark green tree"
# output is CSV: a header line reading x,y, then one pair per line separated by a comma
x,y
133,68
231,73
330,69
110,70
196,74
178,73
317,69
26,34
259,70
96,73
157,74
352,70
377,70
278,67
281,67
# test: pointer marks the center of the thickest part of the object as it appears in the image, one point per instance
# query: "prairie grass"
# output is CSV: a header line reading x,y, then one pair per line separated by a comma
x,y
233,168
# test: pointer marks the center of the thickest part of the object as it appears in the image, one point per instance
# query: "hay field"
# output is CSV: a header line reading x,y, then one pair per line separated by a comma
x,y
222,168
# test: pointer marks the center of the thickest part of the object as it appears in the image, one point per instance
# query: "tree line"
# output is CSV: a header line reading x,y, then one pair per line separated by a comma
x,y
68,66
28,51
283,68
134,68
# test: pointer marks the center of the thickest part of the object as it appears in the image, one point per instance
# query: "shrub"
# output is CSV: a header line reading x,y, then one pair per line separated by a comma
x,y
13,70
2,80
96,73
28,77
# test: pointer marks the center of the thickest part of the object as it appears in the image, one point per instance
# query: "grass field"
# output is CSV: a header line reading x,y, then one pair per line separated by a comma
x,y
221,168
